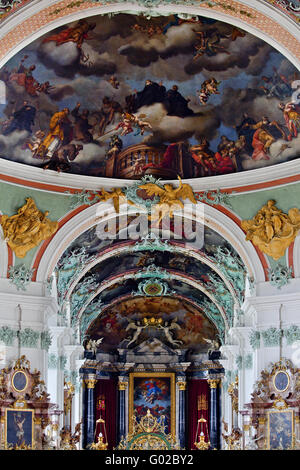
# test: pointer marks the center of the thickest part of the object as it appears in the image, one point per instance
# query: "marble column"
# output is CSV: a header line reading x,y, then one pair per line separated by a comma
x,y
122,386
84,412
90,410
213,419
181,413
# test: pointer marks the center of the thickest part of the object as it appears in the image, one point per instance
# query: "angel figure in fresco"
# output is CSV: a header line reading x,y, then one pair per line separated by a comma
x,y
114,82
76,34
167,328
208,87
138,327
208,43
129,121
170,198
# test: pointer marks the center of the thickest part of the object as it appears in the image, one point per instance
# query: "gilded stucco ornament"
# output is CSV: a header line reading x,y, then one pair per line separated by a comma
x,y
159,200
272,230
170,198
27,229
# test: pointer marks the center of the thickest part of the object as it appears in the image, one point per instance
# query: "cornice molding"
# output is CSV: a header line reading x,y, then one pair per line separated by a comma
x,y
50,181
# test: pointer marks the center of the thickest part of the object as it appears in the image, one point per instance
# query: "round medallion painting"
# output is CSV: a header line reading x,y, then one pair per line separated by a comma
x,y
124,97
281,381
19,381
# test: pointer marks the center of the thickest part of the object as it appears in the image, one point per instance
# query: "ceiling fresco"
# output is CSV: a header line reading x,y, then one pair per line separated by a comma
x,y
190,325
94,276
125,96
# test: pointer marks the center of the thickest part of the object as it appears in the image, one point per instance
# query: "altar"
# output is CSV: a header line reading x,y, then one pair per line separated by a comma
x,y
152,396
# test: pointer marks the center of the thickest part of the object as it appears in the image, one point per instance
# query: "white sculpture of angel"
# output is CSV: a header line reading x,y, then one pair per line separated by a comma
x,y
92,345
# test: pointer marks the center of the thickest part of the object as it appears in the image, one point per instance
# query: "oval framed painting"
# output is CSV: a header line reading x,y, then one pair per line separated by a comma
x,y
19,381
281,381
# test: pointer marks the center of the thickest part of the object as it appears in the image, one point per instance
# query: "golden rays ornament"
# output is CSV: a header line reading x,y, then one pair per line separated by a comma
x,y
271,230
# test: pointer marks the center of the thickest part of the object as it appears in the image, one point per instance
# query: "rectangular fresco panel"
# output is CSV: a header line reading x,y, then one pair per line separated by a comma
x,y
153,391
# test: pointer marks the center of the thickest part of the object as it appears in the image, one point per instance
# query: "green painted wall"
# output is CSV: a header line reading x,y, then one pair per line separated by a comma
x,y
247,205
12,197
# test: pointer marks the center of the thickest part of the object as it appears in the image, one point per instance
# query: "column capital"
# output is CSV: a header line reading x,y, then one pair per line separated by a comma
x,y
90,382
122,385
181,384
213,383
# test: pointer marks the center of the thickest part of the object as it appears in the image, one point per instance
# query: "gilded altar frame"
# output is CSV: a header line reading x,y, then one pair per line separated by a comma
x,y
291,421
146,375
8,445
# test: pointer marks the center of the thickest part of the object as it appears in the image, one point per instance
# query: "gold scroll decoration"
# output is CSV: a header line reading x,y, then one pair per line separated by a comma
x,y
271,230
27,229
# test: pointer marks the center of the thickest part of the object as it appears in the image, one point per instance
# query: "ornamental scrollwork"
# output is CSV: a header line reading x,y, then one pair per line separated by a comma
x,y
271,337
292,334
280,275
20,276
7,335
46,340
254,339
28,338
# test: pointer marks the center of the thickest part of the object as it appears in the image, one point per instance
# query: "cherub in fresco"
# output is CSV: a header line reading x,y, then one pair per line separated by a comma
x,y
129,121
208,87
34,143
114,82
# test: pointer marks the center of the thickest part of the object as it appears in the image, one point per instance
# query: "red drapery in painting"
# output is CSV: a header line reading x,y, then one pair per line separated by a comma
x,y
106,407
198,407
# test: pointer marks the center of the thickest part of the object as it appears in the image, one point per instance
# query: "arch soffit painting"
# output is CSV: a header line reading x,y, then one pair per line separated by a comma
x,y
127,249
177,276
86,219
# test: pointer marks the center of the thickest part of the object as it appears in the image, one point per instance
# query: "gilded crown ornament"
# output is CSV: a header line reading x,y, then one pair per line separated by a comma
x,y
27,229
271,230
148,432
